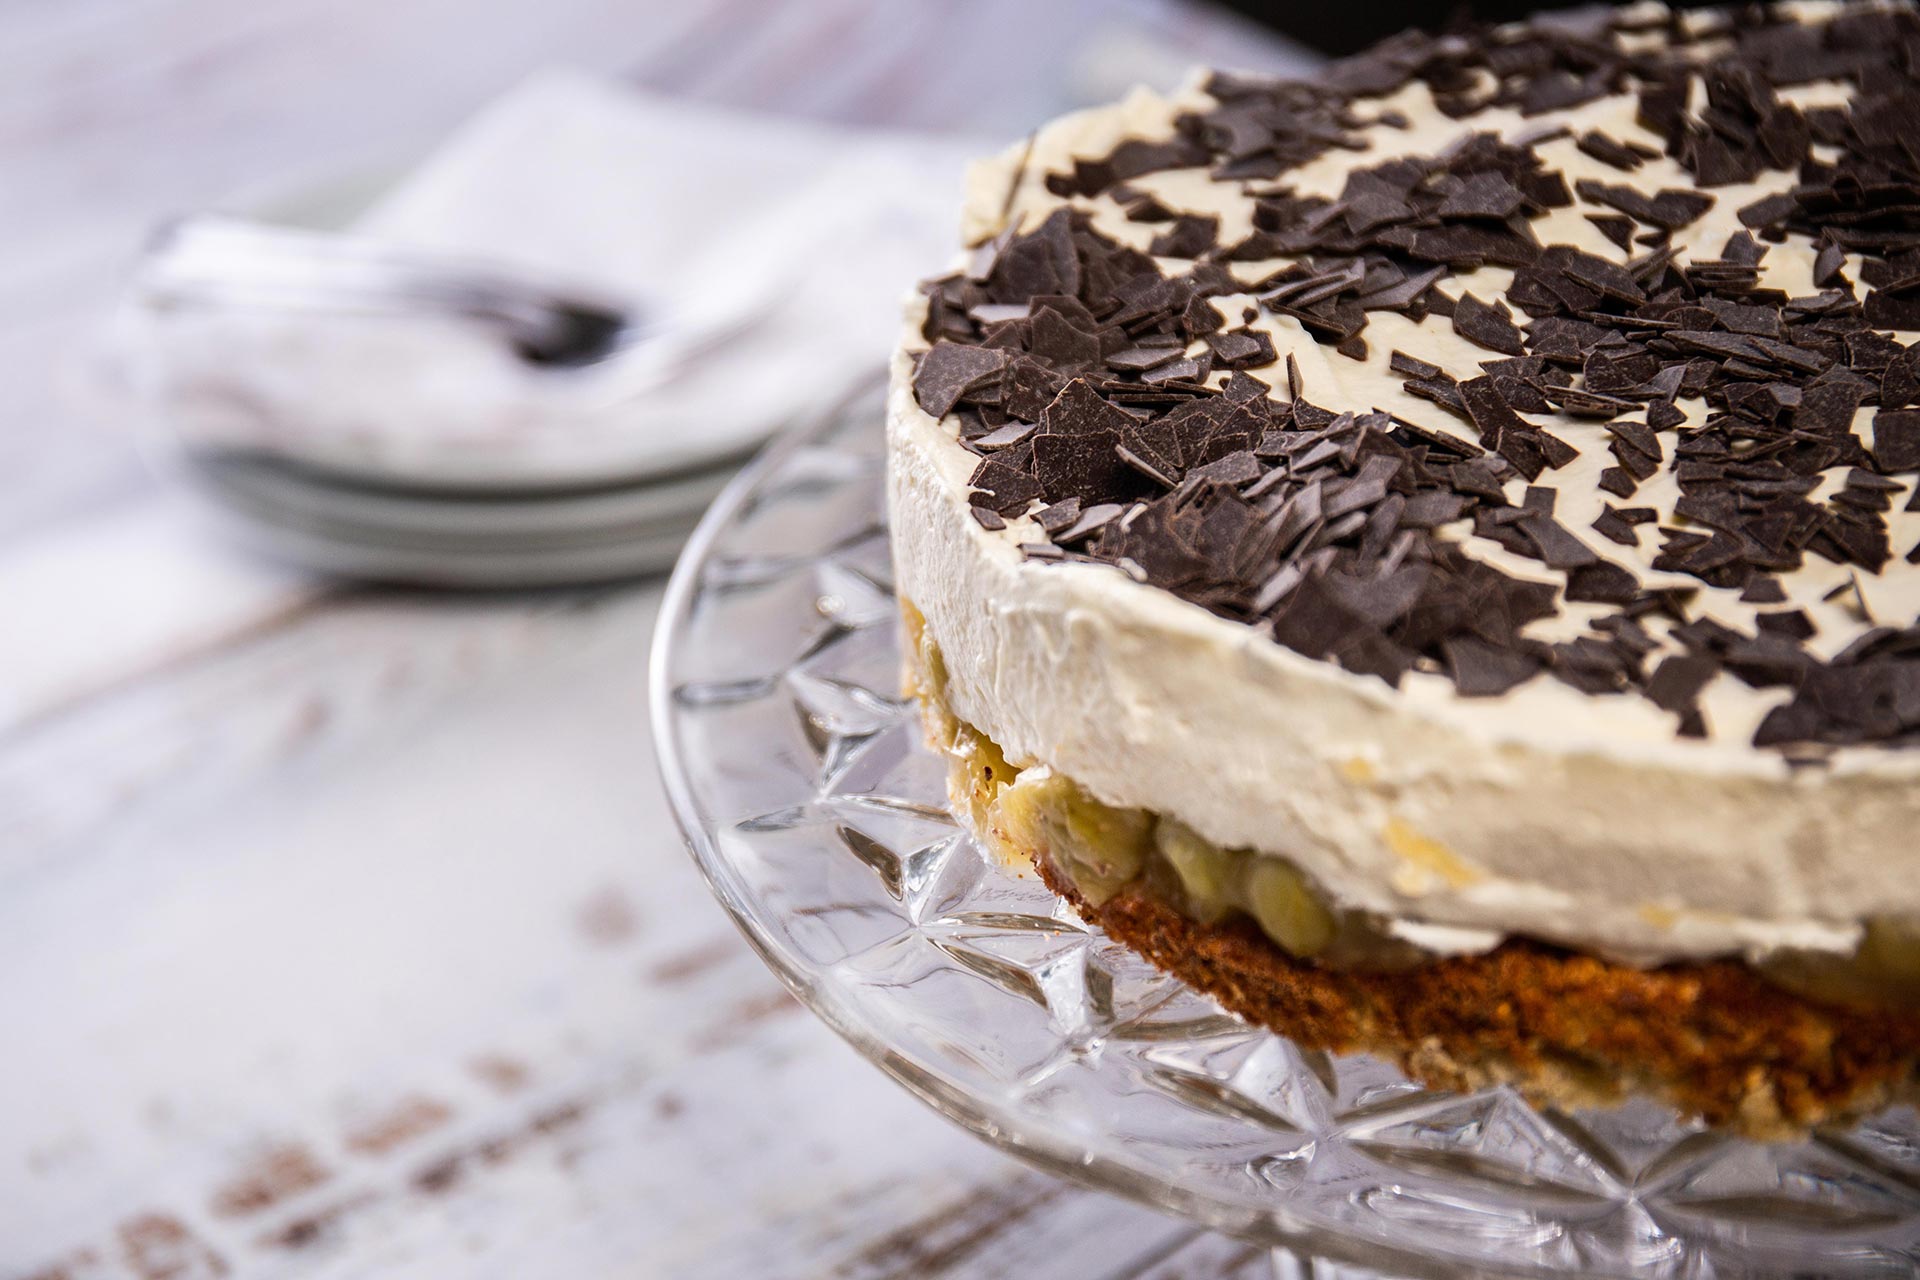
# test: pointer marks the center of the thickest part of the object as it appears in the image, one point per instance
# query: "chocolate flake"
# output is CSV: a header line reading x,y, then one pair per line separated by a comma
x,y
1240,348
1481,670
1791,623
1668,209
1490,327
1142,358
1061,357
1058,516
1554,545
1081,464
1610,151
1602,582
1004,437
1615,227
1482,195
1190,237
1091,521
1896,440
948,372
1827,266
1001,488
1679,679
1612,527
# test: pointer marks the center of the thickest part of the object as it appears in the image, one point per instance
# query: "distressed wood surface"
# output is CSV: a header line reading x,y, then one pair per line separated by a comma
x,y
344,932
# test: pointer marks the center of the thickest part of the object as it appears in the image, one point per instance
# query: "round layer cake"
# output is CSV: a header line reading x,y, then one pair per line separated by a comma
x,y
1429,555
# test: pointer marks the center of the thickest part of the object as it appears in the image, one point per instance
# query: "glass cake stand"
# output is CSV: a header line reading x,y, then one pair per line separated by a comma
x,y
820,820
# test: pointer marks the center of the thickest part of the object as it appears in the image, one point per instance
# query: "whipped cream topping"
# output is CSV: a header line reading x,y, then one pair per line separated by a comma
x,y
1544,811
1822,588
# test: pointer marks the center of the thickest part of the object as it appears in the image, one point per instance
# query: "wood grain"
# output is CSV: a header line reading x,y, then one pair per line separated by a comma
x,y
344,932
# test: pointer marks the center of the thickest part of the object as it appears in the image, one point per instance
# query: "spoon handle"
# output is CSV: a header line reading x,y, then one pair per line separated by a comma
x,y
224,261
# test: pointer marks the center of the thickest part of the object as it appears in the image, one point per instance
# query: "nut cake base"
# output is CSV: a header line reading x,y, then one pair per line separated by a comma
x,y
1714,1039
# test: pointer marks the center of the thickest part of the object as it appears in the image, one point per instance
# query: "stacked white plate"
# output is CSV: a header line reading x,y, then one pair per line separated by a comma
x,y
423,449
335,523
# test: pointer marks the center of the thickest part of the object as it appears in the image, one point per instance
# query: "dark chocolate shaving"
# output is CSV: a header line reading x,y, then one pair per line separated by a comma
x,y
1060,358
1896,440
1678,680
949,371
1490,327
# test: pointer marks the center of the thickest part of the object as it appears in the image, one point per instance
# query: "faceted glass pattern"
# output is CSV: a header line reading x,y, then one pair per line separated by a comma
x,y
820,819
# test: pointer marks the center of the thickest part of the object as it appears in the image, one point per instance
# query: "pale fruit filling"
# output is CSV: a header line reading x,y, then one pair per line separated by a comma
x,y
1101,848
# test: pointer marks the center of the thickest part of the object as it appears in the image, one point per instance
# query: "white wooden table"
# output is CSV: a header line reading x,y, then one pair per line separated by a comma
x,y
344,932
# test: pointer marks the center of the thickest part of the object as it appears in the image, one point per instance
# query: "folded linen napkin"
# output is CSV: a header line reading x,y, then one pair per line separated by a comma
x,y
772,254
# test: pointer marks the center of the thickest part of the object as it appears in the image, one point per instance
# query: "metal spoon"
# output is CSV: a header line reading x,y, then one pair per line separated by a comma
x,y
223,261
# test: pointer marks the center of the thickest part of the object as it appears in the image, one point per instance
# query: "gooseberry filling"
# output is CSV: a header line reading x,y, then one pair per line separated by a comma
x,y
1103,849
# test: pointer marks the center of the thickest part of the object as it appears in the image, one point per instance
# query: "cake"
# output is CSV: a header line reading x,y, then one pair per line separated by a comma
x,y
1431,555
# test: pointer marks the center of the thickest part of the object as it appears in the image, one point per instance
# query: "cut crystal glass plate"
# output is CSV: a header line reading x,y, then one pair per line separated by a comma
x,y
820,819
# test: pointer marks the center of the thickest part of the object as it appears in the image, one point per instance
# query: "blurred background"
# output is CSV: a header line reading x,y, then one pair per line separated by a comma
x,y
343,929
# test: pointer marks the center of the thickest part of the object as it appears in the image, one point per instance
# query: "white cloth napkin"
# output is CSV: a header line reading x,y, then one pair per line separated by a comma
x,y
703,219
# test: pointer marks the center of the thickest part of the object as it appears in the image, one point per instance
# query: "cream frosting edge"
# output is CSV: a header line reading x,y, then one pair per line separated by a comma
x,y
1549,813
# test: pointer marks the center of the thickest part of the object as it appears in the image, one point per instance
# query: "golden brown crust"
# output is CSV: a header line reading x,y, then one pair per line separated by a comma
x,y
1714,1039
